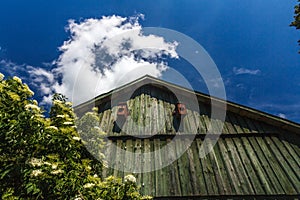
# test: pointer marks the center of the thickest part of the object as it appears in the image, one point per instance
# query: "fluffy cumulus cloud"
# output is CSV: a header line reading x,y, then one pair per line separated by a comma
x,y
238,71
105,53
100,55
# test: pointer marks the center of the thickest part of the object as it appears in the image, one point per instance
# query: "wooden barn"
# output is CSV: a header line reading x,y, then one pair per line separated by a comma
x,y
255,156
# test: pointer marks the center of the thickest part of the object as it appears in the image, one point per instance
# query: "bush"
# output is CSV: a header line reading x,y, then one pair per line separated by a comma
x,y
45,158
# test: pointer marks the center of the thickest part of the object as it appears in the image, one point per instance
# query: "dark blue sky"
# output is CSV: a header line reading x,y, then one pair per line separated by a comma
x,y
250,41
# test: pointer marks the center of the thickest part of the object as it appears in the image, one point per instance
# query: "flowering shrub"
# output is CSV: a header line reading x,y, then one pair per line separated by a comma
x,y
45,158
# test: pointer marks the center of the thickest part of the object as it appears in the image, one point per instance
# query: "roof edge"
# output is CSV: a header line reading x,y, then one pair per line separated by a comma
x,y
231,106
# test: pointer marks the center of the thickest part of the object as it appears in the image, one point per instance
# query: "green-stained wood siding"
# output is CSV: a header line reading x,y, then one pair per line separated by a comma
x,y
251,157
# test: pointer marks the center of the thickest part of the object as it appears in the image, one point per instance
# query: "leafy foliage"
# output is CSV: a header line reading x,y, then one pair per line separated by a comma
x,y
45,158
296,21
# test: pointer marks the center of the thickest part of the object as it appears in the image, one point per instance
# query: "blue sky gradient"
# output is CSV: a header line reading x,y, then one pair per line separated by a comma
x,y
250,41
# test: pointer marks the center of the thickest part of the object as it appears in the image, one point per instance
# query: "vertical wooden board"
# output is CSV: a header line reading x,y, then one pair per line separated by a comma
x,y
266,165
118,159
202,125
168,113
183,165
153,172
194,122
282,179
198,128
154,117
282,158
192,169
164,176
294,166
239,167
109,153
100,115
176,182
147,178
161,118
147,115
204,116
234,180
129,156
158,164
130,124
292,152
256,173
220,171
138,165
169,156
200,182
228,124
296,148
107,123
141,121
208,173
216,170
102,125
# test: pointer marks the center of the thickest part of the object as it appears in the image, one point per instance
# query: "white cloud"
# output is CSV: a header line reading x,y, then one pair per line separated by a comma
x,y
39,74
102,51
238,71
100,55
282,115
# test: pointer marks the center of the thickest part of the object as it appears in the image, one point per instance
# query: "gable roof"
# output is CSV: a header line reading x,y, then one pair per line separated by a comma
x,y
231,106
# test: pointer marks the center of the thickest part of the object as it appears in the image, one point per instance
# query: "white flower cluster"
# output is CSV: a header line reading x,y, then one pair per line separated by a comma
x,y
130,178
35,162
89,185
76,138
32,107
52,127
68,123
1,77
17,79
59,171
36,172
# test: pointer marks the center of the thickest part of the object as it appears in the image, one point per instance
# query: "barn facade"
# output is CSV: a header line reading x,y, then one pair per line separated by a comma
x,y
155,133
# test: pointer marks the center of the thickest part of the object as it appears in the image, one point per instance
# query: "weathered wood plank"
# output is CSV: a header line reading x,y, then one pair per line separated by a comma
x,y
227,188
161,118
282,179
208,173
147,177
192,169
235,181
292,152
119,161
216,169
261,180
200,182
286,162
266,165
239,168
158,164
183,165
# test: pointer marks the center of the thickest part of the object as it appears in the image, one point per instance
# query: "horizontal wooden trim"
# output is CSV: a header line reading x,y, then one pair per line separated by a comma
x,y
189,136
233,197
